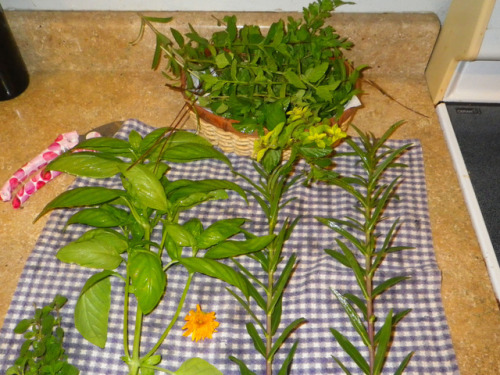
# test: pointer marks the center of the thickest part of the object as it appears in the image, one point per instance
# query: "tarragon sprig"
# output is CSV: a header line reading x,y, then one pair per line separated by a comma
x,y
373,195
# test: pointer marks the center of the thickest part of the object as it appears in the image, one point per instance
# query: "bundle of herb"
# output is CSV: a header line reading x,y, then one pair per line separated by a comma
x,y
363,249
259,81
42,351
124,221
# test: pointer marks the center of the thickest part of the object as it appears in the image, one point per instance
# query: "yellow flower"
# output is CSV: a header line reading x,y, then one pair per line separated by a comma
x,y
336,133
202,325
316,135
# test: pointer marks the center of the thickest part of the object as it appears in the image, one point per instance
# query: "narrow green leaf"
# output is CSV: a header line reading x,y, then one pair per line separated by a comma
x,y
92,311
285,367
243,367
282,281
337,255
334,224
403,364
383,344
359,272
108,146
247,308
351,350
185,188
382,287
197,366
276,316
381,204
284,335
341,365
190,152
148,279
356,321
358,302
257,341
235,248
84,196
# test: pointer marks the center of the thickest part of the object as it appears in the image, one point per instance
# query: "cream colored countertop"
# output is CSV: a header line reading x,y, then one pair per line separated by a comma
x,y
84,73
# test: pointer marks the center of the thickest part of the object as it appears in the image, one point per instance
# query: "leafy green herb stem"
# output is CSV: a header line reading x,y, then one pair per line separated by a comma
x,y
373,195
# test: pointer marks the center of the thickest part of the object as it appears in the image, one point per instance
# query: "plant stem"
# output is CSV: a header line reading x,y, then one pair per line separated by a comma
x,y
180,305
269,334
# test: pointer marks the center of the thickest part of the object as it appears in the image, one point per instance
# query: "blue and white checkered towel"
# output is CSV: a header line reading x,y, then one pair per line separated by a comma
x,y
308,295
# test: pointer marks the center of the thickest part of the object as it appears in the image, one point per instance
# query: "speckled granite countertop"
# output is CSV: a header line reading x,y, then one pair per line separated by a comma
x,y
85,73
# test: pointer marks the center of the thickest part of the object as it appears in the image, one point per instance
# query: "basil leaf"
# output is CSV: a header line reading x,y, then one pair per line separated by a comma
x,y
218,270
219,231
145,187
97,248
234,248
83,196
92,309
148,279
197,366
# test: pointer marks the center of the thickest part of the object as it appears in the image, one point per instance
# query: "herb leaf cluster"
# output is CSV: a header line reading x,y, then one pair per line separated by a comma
x,y
255,78
42,351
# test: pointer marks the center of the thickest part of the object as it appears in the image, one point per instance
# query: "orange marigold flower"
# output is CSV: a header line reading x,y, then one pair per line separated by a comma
x,y
202,325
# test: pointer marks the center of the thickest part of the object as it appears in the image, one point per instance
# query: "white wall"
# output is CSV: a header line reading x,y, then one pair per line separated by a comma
x,y
440,7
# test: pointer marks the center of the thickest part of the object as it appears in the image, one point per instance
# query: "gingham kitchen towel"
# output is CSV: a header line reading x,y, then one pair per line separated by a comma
x,y
308,295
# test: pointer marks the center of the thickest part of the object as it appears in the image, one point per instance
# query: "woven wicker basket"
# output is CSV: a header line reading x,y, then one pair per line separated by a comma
x,y
220,132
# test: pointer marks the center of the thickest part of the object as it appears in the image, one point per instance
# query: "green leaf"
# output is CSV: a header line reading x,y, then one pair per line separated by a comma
x,y
186,188
84,196
99,217
403,364
285,367
92,309
180,235
282,281
219,231
148,279
338,256
109,146
274,114
286,332
383,343
146,187
86,164
23,325
359,272
317,72
244,370
234,248
387,284
188,152
294,79
218,270
197,366
341,365
257,341
97,248
356,321
351,350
